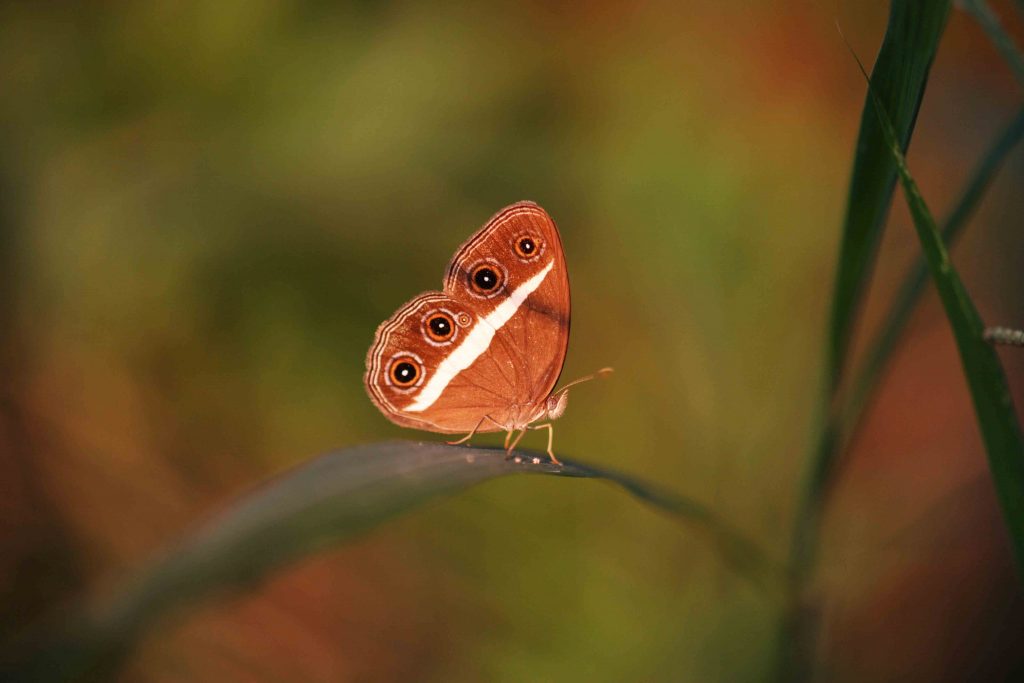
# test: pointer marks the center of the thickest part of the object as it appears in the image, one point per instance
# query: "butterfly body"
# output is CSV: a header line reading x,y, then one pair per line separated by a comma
x,y
483,354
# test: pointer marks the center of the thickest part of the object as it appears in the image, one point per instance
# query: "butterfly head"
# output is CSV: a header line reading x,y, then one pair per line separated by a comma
x,y
556,405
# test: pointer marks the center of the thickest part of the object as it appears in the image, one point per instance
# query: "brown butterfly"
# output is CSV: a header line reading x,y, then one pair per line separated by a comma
x,y
484,354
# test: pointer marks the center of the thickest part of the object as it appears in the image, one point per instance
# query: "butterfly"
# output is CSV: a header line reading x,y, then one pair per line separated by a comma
x,y
485,353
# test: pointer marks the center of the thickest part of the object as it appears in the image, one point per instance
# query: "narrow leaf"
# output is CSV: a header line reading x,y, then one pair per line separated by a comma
x,y
845,420
304,511
900,73
990,392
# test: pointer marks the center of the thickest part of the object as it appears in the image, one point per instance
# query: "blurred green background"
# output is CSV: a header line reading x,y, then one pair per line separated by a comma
x,y
207,208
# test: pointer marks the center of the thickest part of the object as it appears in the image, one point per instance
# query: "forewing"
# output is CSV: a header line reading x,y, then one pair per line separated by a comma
x,y
529,310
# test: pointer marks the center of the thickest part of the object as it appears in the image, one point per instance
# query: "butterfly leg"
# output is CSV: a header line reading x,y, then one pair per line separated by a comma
x,y
469,436
515,441
551,439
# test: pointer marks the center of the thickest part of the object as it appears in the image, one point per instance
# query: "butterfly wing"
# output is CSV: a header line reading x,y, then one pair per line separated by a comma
x,y
530,309
410,351
507,295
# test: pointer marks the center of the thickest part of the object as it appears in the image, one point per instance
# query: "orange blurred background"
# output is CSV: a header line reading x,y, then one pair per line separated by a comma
x,y
207,208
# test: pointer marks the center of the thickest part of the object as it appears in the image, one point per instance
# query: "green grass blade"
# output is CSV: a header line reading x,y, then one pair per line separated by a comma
x,y
911,40
843,423
990,392
900,73
901,69
983,14
311,508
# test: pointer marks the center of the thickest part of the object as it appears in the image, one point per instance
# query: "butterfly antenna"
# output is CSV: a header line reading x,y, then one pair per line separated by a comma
x,y
603,372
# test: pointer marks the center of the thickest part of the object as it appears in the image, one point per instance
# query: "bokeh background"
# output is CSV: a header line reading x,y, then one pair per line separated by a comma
x,y
207,208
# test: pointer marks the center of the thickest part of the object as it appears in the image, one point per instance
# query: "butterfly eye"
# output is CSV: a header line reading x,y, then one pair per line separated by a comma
x,y
526,247
404,371
440,327
485,279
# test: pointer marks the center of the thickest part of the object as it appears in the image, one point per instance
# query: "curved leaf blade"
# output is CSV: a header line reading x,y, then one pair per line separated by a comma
x,y
990,391
900,74
845,419
308,509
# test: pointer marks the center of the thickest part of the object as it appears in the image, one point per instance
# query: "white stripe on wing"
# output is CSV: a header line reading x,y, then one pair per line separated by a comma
x,y
476,342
